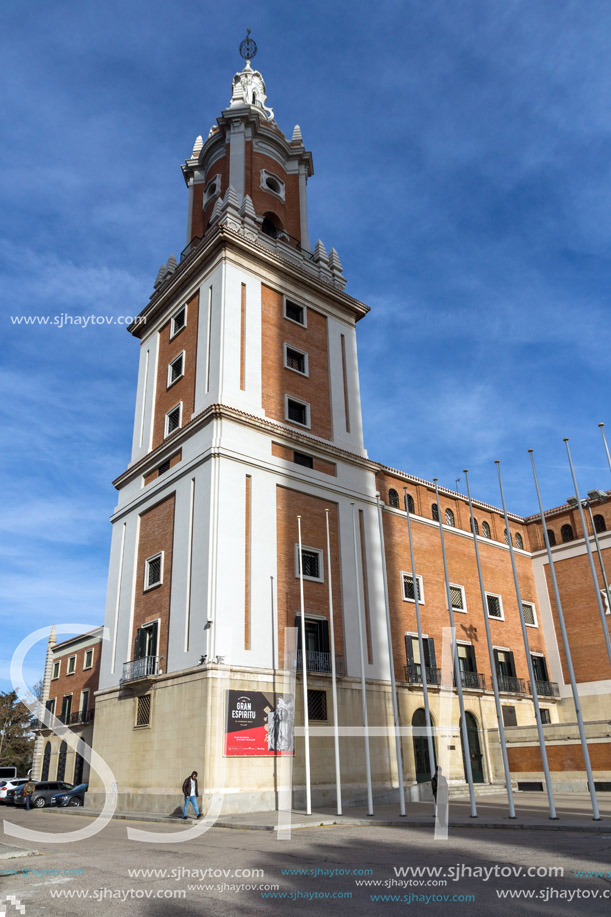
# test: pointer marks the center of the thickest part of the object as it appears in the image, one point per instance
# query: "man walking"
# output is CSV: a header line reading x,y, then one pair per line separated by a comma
x,y
190,792
28,789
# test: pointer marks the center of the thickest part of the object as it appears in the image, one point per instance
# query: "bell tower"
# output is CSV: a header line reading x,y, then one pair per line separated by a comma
x,y
246,150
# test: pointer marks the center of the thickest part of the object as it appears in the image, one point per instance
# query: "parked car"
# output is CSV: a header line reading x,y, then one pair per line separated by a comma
x,y
11,784
42,794
73,797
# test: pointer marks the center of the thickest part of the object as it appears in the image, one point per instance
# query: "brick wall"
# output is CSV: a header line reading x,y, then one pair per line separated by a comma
x,y
290,504
156,534
184,389
278,381
566,757
82,679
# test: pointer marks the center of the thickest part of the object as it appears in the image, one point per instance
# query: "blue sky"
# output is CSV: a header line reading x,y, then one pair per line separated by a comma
x,y
462,159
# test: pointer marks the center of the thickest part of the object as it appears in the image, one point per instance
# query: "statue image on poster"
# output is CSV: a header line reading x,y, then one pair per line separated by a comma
x,y
280,723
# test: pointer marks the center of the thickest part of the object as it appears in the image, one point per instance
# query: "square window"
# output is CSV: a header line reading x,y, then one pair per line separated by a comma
x,y
143,710
294,312
153,571
495,609
409,592
88,659
296,360
178,322
56,668
300,459
297,412
172,419
71,665
530,616
311,562
457,596
176,369
317,705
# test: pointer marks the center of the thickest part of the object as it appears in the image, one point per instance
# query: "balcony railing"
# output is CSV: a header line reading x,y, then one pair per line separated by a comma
x,y
140,668
510,685
413,674
547,689
473,680
320,662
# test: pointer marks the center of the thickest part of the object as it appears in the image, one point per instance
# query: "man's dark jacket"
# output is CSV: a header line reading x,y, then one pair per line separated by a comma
x,y
186,787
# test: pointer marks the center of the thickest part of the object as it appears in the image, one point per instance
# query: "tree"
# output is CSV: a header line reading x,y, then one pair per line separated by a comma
x,y
16,739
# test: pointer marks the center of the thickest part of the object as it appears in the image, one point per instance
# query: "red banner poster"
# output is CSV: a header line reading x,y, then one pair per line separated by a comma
x,y
259,724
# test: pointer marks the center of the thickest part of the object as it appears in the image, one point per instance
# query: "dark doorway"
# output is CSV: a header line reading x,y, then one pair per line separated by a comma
x,y
61,761
421,748
475,751
46,761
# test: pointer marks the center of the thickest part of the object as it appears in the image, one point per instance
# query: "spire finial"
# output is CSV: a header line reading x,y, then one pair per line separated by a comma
x,y
248,47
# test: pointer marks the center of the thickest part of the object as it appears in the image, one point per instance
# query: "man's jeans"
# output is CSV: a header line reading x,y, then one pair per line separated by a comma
x,y
27,801
193,801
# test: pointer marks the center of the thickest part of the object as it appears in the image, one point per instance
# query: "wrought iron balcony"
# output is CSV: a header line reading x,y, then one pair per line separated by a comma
x,y
320,662
473,680
413,674
146,667
547,689
510,685
82,716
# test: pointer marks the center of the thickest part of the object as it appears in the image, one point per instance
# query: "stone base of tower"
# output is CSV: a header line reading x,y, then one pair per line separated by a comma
x,y
186,731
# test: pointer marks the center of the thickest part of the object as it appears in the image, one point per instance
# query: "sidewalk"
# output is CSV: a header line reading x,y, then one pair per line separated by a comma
x,y
573,809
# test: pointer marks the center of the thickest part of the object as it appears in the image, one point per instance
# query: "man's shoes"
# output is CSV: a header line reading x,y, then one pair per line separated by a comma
x,y
201,815
184,818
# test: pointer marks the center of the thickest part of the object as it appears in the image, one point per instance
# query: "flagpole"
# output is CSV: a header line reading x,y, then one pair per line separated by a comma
x,y
391,663
586,539
425,687
338,779
602,430
457,672
495,683
363,687
567,648
600,556
306,715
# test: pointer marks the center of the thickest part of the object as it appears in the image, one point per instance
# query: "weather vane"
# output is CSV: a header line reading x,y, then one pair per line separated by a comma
x,y
248,47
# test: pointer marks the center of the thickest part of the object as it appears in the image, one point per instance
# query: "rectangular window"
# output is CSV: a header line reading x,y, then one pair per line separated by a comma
x,y
530,616
409,592
71,665
495,608
50,705
296,360
300,459
66,709
317,705
153,571
84,705
172,419
143,710
294,312
297,411
539,667
179,321
165,466
505,665
56,668
457,596
509,716
466,657
176,369
88,659
606,605
312,563
545,715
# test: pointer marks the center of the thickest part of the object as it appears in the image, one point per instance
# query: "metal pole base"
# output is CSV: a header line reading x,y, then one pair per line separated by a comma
x,y
554,818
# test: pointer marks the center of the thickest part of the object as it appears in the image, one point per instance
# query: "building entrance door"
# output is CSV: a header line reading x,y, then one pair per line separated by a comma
x,y
475,751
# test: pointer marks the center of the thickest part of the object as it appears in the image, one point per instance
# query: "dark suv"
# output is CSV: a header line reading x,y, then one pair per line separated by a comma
x,y
42,794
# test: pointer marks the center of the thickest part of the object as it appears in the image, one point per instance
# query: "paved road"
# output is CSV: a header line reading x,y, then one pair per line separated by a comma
x,y
107,859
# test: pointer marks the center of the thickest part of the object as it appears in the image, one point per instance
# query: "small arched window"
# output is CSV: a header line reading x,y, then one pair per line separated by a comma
x,y
474,526
410,504
46,761
566,533
450,517
61,761
507,537
485,530
519,541
551,538
393,499
435,512
271,225
599,523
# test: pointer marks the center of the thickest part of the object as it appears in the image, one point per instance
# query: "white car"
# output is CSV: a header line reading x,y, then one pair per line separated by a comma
x,y
11,784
